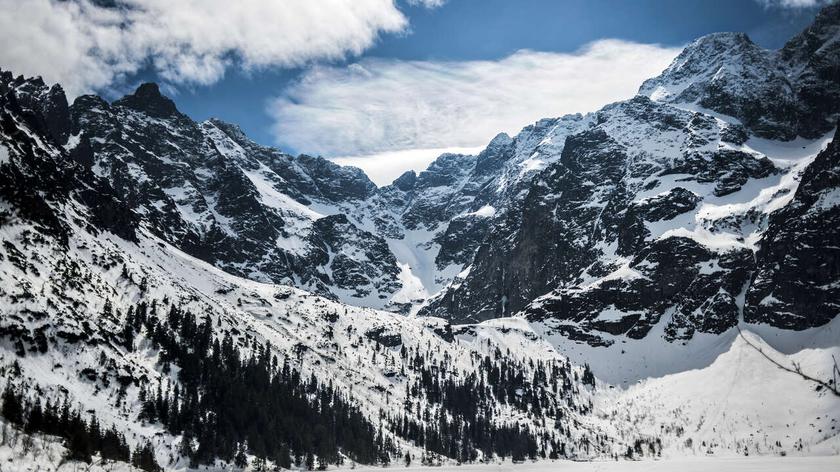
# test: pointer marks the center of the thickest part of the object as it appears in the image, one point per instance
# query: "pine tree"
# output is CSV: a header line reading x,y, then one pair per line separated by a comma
x,y
35,419
12,407
241,459
283,458
144,459
78,444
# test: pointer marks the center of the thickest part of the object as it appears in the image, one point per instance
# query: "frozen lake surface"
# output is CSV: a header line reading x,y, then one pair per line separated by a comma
x,y
693,464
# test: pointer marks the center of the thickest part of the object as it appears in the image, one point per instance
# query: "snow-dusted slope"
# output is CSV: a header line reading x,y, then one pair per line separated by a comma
x,y
740,404
64,308
360,351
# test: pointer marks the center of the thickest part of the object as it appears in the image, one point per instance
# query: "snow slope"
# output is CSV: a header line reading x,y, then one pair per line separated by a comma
x,y
740,404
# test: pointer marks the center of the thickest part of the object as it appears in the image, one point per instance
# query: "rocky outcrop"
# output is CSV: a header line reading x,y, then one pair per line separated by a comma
x,y
39,174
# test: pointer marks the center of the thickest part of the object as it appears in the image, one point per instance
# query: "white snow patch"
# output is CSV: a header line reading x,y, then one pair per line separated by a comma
x,y
741,401
531,164
275,199
720,242
73,141
412,287
487,211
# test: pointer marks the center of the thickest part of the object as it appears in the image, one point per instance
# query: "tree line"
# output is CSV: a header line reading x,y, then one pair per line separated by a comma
x,y
82,438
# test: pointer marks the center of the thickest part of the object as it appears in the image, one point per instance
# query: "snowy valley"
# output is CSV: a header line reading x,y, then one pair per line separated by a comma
x,y
658,280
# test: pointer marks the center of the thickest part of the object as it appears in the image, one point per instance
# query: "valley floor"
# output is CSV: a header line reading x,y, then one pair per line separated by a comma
x,y
691,464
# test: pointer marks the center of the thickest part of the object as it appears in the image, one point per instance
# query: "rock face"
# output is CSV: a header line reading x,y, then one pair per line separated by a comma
x,y
36,170
797,281
594,236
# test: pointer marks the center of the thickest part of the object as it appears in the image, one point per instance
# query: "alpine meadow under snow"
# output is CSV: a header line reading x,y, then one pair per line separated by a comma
x,y
651,286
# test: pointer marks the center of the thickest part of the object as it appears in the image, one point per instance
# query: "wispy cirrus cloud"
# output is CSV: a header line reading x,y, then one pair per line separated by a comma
x,y
794,3
427,3
381,105
88,44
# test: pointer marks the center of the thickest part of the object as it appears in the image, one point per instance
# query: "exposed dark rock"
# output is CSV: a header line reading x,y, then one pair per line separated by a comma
x,y
383,337
798,264
148,99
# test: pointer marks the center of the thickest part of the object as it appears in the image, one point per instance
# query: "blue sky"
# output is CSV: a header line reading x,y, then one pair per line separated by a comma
x,y
493,29
383,84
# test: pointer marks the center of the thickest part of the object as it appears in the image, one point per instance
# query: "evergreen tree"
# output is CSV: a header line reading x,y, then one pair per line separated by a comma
x,y
78,442
144,459
241,459
12,407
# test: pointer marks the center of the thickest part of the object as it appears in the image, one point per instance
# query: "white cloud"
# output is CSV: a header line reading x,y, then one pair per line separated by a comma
x,y
379,105
86,46
793,3
427,3
384,167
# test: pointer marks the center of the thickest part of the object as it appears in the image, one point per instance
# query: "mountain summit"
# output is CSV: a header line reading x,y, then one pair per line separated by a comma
x,y
148,99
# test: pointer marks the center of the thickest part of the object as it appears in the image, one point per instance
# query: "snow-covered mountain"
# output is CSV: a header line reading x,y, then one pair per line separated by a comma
x,y
662,208
248,209
101,310
569,292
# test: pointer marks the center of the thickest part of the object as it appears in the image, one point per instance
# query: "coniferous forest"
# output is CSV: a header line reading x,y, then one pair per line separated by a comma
x,y
233,405
228,404
82,437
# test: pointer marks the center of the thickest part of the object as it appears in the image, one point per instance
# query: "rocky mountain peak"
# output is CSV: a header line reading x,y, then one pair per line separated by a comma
x,y
234,131
775,94
723,39
46,107
712,58
148,99
406,181
500,140
822,32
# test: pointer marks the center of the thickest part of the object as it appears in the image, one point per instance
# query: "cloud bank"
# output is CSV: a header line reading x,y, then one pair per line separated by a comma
x,y
87,45
379,105
384,167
